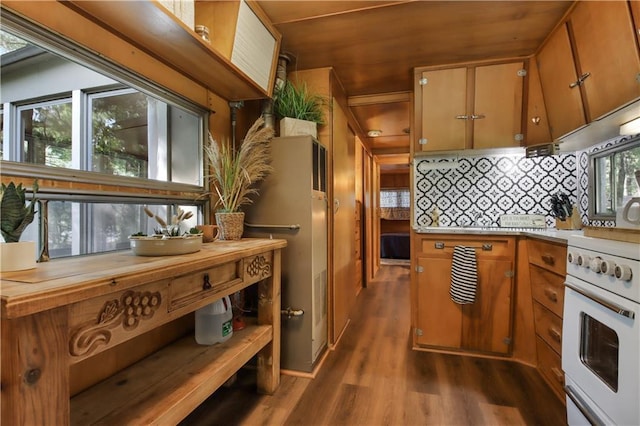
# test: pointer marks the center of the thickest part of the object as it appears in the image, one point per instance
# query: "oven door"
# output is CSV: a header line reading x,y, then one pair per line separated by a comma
x,y
601,349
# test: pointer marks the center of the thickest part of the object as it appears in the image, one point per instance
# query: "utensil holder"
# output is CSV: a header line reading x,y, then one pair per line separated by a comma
x,y
572,222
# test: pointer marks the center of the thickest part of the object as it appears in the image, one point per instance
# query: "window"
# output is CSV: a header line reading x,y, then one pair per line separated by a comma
x,y
394,197
612,178
111,225
129,143
394,204
45,133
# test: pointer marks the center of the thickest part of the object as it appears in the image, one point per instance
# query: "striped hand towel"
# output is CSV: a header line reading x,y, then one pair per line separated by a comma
x,y
464,275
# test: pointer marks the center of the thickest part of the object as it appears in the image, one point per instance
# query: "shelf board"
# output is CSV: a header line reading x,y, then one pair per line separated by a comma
x,y
148,25
167,385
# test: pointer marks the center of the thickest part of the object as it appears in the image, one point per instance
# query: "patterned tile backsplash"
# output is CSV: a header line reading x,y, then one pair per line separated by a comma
x,y
464,187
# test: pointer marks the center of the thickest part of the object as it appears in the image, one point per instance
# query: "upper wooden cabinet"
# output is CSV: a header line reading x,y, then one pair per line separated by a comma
x,y
606,49
148,25
475,106
590,66
557,71
635,12
537,122
242,33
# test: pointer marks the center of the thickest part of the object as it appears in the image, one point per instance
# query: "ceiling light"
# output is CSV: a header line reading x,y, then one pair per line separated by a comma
x,y
373,133
630,128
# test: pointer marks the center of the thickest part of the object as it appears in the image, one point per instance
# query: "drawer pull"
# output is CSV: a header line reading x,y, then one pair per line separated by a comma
x,y
555,334
206,285
548,259
559,375
551,294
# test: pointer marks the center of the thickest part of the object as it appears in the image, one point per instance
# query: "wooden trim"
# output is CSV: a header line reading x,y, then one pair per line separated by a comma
x,y
380,98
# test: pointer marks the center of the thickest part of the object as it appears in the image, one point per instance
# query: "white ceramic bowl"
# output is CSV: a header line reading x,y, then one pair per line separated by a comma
x,y
149,246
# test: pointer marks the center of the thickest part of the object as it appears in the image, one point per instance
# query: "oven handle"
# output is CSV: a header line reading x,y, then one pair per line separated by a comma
x,y
612,306
583,407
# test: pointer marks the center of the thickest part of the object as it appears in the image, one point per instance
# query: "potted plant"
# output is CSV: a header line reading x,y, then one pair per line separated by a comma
x,y
15,216
169,238
300,110
234,174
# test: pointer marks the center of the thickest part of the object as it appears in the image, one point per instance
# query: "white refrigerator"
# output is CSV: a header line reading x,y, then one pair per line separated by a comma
x,y
292,205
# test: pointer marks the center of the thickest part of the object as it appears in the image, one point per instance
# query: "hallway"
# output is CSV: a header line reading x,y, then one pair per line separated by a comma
x,y
374,378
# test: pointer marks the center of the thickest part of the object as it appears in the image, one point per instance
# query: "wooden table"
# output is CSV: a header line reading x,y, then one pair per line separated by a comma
x,y
68,310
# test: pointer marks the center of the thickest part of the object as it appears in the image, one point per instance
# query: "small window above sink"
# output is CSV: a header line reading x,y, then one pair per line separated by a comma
x,y
612,180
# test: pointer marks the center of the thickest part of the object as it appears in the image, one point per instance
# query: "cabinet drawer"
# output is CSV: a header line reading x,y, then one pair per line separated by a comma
x,y
548,256
486,247
191,288
548,327
102,322
548,289
550,366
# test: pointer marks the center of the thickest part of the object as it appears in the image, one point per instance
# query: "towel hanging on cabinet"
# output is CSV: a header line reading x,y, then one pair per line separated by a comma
x,y
464,275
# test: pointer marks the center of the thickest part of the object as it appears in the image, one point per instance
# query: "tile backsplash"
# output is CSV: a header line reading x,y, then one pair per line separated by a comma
x,y
465,186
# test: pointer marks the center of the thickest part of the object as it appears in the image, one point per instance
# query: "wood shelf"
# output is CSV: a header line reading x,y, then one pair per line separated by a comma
x,y
166,386
152,28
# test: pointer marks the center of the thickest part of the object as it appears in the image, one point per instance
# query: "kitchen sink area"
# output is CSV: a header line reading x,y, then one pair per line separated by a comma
x,y
551,234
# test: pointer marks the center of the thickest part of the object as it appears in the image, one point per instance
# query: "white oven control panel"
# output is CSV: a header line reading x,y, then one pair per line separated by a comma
x,y
613,267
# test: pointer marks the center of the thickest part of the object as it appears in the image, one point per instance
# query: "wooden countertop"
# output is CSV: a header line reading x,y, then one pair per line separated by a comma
x,y
63,281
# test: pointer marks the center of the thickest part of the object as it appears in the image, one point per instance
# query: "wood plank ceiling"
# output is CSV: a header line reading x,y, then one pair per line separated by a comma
x,y
373,46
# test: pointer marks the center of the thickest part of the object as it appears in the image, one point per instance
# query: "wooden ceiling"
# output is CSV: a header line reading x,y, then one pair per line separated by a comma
x,y
373,46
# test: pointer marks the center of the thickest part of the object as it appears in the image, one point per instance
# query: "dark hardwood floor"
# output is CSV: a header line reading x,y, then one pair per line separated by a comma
x,y
374,378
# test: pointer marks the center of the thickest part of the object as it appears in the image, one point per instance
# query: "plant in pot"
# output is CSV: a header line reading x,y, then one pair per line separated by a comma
x,y
15,216
233,175
300,110
168,239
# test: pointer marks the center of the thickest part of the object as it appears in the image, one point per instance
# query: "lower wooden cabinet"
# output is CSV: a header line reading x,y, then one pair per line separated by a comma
x,y
550,366
547,268
484,326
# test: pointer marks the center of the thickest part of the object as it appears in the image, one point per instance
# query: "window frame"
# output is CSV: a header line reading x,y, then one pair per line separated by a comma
x,y
593,189
88,186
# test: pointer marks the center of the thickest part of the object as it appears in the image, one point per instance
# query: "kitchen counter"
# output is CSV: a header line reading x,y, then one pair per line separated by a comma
x,y
549,234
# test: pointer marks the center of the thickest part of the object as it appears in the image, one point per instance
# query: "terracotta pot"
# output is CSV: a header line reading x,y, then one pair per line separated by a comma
x,y
209,232
230,225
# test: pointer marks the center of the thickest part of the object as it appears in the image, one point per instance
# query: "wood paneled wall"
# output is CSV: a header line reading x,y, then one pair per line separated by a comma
x,y
394,180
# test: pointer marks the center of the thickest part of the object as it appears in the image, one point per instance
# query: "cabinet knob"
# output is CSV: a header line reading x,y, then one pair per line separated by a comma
x,y
548,259
206,285
462,117
558,374
580,80
478,116
551,294
555,334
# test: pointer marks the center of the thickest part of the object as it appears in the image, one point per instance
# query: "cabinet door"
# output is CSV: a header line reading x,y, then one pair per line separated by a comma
x,y
442,97
557,72
439,320
606,49
635,12
497,113
486,324
536,120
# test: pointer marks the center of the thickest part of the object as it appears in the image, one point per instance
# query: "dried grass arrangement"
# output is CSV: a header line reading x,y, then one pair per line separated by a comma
x,y
234,174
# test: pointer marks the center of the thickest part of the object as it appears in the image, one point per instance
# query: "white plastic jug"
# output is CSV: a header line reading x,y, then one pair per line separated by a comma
x,y
214,322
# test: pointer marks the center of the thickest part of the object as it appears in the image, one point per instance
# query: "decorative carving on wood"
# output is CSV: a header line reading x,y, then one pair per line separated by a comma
x,y
259,267
128,311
